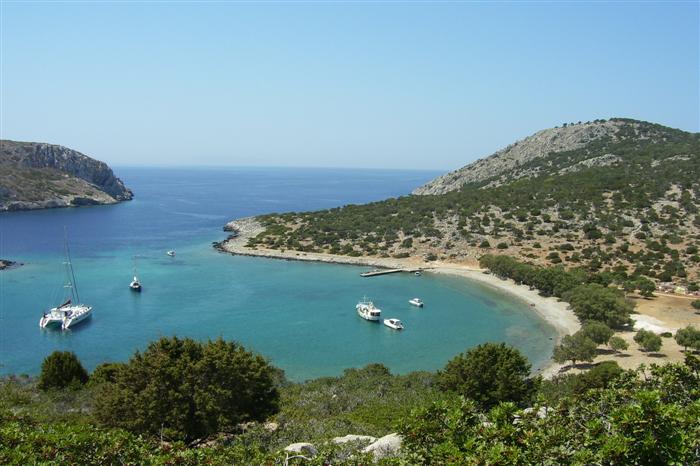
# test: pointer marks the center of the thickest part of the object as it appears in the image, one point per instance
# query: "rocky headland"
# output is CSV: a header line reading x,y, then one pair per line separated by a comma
x,y
7,264
39,176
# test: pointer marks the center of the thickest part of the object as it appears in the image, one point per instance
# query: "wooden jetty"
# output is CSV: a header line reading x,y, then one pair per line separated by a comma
x,y
374,273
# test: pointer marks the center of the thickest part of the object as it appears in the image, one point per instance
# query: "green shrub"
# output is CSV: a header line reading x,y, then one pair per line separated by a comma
x,y
597,302
647,340
618,344
186,390
488,374
597,331
688,337
576,347
62,369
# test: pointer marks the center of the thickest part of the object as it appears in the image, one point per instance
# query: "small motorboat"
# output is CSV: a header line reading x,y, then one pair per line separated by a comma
x,y
417,273
416,302
171,253
396,324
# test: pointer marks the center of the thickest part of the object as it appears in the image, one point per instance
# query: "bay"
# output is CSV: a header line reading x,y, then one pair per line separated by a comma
x,y
299,315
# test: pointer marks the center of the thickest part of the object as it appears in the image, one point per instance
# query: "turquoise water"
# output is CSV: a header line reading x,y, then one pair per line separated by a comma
x,y
300,315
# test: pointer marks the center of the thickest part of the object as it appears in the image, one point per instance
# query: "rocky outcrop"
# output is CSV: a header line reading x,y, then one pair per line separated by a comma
x,y
387,446
509,161
38,175
5,264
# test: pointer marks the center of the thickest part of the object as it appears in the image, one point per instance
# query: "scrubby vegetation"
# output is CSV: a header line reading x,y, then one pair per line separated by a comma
x,y
603,416
637,217
61,369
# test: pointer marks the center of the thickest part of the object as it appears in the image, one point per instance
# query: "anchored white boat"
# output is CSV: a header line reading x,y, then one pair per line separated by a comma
x,y
396,324
135,284
171,253
416,302
367,311
67,315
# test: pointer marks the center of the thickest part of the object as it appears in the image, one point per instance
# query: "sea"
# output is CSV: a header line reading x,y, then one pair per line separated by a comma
x,y
299,315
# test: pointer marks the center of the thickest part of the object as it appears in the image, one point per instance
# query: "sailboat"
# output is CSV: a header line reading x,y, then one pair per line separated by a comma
x,y
135,284
71,312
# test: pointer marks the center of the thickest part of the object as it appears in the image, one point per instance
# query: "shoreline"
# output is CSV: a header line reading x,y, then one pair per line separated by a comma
x,y
555,313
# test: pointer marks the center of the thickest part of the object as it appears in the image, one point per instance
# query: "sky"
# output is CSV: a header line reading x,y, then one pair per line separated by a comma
x,y
336,84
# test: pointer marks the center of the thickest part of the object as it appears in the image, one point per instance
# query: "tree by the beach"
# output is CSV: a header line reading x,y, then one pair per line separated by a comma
x,y
617,344
688,337
61,369
604,304
182,389
696,304
488,374
648,340
646,287
597,331
576,347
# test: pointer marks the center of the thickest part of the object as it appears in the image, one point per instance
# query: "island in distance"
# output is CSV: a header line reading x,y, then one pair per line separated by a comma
x,y
40,176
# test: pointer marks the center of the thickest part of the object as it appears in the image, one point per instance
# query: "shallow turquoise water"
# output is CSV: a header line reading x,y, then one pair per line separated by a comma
x,y
300,315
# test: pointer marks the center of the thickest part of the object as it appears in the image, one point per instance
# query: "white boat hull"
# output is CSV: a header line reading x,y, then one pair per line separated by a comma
x,y
65,317
367,311
393,323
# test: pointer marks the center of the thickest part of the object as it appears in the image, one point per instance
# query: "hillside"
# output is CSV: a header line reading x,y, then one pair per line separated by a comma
x,y
619,195
37,175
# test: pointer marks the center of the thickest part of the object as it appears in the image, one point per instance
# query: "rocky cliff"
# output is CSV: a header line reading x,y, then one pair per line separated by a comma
x,y
37,175
511,162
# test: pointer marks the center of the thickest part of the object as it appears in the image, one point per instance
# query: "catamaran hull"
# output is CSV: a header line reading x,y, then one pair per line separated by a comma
x,y
65,322
72,322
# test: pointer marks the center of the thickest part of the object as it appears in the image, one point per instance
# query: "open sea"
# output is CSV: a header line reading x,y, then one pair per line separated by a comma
x,y
299,315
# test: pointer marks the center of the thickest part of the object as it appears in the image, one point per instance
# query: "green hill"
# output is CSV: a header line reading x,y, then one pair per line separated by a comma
x,y
618,194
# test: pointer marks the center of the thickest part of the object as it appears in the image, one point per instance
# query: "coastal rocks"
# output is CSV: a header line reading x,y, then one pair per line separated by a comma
x,y
39,176
389,445
354,438
6,264
303,448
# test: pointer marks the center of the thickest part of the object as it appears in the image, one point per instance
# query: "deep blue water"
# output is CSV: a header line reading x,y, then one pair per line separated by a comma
x,y
300,315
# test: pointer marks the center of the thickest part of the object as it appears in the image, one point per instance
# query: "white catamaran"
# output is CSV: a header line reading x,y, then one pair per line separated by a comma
x,y
71,312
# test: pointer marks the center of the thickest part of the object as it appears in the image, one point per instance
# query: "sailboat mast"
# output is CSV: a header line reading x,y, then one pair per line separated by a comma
x,y
74,285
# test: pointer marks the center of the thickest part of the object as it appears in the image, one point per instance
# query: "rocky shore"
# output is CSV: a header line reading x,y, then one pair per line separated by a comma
x,y
556,313
41,176
7,264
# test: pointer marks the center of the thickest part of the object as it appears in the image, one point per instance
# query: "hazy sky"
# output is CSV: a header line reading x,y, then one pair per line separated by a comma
x,y
407,85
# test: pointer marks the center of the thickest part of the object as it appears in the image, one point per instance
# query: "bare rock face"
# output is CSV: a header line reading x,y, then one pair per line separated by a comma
x,y
38,175
508,160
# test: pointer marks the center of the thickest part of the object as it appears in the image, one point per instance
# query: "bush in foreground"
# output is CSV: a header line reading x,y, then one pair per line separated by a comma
x,y
185,390
650,419
488,374
61,369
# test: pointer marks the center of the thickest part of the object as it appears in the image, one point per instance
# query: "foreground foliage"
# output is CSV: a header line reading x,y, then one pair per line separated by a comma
x,y
61,369
181,389
488,374
645,417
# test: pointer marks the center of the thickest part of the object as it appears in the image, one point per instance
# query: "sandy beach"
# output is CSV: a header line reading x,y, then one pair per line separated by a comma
x,y
663,313
556,313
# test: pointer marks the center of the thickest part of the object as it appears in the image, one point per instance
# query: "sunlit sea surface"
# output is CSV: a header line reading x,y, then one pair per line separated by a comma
x,y
299,315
